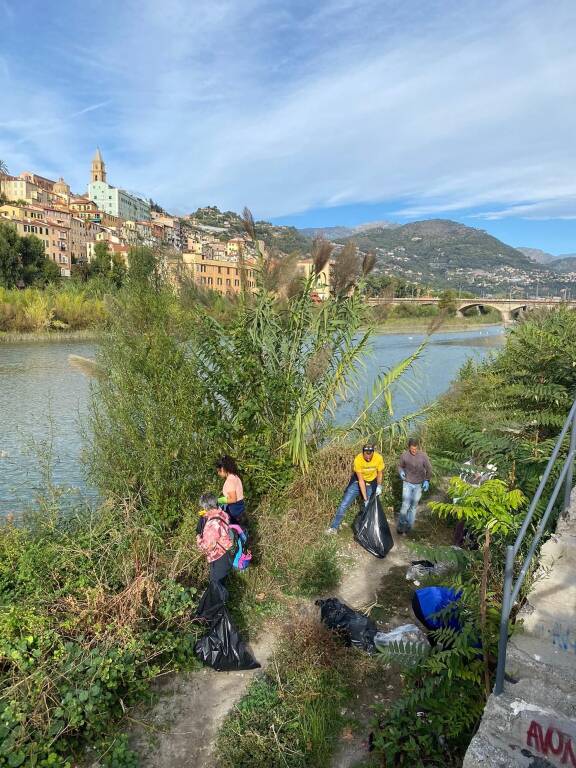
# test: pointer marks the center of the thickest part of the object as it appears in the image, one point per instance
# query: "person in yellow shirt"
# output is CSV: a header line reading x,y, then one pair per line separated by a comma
x,y
366,479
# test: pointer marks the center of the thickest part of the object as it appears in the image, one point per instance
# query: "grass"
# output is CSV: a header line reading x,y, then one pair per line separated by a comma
x,y
290,716
18,337
396,325
38,311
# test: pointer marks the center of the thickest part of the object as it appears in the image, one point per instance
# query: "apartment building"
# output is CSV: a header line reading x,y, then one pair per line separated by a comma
x,y
322,282
51,227
16,188
220,275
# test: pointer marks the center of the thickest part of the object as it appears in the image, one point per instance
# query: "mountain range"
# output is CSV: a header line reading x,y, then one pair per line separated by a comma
x,y
334,233
434,252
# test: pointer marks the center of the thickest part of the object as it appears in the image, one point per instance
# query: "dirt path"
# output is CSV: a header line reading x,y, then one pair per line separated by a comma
x,y
180,730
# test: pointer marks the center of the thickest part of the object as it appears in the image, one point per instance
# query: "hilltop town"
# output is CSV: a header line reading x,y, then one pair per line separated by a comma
x,y
206,245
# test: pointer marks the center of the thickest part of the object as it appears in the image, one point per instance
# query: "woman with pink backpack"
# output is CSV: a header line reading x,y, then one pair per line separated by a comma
x,y
220,540
215,539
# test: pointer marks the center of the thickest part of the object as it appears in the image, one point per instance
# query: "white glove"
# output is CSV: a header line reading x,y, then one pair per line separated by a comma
x,y
378,490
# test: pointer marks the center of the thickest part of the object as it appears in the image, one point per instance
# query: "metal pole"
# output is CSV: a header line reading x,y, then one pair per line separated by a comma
x,y
504,619
570,473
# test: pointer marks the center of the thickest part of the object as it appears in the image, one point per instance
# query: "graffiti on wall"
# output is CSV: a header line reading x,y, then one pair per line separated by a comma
x,y
562,636
550,741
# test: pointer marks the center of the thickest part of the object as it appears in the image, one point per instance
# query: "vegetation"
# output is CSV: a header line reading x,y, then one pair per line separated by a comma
x,y
508,411
106,265
94,605
53,309
93,608
22,260
290,716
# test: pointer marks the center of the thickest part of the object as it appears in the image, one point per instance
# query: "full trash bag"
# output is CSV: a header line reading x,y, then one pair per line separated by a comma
x,y
222,648
211,603
371,529
354,627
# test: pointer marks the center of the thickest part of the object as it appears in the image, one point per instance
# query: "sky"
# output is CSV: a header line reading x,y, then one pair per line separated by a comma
x,y
310,113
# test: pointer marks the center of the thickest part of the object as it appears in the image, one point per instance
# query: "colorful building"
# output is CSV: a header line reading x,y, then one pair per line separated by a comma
x,y
111,200
220,275
322,283
17,188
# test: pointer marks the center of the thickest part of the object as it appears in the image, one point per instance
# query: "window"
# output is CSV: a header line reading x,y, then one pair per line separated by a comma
x,y
236,282
227,282
236,271
218,280
219,270
228,272
209,281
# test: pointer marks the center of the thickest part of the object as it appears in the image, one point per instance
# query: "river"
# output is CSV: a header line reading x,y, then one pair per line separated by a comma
x,y
44,402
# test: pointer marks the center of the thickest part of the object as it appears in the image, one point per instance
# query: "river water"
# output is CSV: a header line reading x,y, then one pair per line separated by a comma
x,y
44,402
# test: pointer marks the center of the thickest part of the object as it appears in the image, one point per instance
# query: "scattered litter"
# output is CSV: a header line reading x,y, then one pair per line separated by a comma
x,y
423,569
407,633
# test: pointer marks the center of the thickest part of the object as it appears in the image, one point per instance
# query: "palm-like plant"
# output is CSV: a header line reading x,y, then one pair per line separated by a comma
x,y
280,367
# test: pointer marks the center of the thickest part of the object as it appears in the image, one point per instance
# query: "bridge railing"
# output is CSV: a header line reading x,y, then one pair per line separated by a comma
x,y
512,587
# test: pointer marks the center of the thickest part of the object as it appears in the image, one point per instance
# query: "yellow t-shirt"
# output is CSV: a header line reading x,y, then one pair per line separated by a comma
x,y
369,469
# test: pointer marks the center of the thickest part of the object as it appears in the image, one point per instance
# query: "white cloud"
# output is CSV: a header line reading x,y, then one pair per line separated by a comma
x,y
444,105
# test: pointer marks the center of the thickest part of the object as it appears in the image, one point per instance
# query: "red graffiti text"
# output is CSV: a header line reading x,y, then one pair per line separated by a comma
x,y
551,742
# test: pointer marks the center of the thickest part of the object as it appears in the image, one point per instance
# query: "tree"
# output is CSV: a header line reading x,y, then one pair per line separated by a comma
x,y
50,271
118,271
101,262
3,168
33,260
10,266
144,265
448,302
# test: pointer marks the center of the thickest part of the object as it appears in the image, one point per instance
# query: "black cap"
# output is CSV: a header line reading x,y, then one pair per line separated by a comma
x,y
368,448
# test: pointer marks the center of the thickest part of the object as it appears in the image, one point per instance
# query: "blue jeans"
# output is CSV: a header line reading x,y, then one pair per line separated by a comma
x,y
352,492
411,494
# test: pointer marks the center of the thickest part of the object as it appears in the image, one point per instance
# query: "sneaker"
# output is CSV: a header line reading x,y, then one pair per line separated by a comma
x,y
330,531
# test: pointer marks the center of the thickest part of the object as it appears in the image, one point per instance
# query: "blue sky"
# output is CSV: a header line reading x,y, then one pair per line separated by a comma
x,y
312,113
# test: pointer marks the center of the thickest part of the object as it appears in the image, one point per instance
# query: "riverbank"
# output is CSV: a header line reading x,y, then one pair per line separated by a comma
x,y
422,325
43,337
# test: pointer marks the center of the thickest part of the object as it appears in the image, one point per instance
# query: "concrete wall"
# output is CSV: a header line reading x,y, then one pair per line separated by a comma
x,y
533,723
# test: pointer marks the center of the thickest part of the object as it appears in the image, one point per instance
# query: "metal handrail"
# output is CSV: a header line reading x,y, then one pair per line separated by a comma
x,y
511,588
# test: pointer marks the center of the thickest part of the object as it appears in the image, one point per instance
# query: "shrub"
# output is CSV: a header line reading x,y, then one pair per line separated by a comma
x,y
92,612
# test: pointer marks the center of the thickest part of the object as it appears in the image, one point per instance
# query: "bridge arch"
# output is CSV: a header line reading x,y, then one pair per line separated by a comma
x,y
483,303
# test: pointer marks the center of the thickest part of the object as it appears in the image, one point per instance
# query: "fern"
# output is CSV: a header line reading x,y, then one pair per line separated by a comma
x,y
404,653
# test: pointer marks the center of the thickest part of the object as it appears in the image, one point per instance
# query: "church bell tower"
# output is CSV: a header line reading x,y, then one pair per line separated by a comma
x,y
98,167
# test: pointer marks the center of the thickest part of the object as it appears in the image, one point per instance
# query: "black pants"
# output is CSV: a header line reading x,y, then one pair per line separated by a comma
x,y
219,569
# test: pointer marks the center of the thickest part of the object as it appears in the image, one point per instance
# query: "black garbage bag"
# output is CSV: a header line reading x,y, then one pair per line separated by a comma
x,y
371,529
211,603
222,648
354,627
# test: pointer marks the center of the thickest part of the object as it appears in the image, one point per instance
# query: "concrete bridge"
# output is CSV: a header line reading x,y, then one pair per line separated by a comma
x,y
509,309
